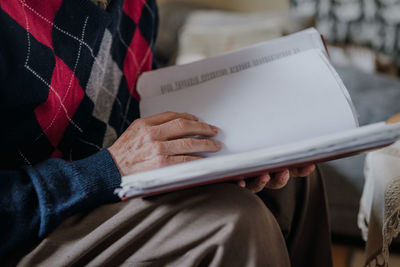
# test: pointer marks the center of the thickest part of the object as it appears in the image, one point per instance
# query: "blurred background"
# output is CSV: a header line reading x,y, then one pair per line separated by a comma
x,y
363,38
361,33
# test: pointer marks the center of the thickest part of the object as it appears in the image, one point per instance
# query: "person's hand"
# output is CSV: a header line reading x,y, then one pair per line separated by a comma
x,y
162,140
394,119
274,180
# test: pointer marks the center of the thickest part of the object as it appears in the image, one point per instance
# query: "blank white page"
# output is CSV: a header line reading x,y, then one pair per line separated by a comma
x,y
284,101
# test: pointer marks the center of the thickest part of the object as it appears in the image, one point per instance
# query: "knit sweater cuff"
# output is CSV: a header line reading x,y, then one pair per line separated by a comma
x,y
102,177
65,188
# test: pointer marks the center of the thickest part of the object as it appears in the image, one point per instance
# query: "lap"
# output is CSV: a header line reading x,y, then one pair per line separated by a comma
x,y
215,225
142,231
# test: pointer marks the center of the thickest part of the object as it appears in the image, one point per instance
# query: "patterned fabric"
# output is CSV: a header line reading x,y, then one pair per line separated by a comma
x,y
379,215
375,23
68,71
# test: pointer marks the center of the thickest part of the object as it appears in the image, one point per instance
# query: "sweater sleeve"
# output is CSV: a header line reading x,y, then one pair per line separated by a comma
x,y
36,199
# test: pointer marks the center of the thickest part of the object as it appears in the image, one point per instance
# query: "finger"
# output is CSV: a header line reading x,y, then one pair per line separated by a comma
x,y
302,171
168,116
279,180
307,170
242,183
176,147
172,160
179,128
188,146
394,119
162,161
258,183
281,175
294,172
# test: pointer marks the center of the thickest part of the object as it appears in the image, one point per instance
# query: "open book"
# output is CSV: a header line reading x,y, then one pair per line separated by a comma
x,y
277,104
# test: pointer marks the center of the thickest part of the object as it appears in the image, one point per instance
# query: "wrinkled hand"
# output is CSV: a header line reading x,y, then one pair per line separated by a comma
x,y
167,138
274,180
162,140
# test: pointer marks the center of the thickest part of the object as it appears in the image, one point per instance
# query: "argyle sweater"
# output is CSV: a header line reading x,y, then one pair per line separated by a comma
x,y
68,72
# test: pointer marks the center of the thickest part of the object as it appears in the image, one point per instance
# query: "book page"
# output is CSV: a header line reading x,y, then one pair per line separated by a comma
x,y
275,103
175,78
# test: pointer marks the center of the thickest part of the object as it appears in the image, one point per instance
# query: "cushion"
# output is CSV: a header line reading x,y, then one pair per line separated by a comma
x,y
373,23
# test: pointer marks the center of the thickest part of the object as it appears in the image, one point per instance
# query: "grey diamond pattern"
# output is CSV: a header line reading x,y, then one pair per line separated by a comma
x,y
374,23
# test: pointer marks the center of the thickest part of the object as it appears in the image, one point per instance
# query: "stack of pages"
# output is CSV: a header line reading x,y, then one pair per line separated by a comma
x,y
277,104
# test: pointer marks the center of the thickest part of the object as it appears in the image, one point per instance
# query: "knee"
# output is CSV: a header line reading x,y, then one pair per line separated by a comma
x,y
225,206
236,207
244,228
229,198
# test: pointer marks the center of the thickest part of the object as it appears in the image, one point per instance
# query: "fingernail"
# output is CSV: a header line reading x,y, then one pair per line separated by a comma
x,y
215,129
242,183
218,144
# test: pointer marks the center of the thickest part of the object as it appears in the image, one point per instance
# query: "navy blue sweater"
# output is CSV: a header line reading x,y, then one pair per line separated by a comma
x,y
68,72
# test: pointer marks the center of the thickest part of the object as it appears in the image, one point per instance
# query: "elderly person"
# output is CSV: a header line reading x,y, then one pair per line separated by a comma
x,y
71,129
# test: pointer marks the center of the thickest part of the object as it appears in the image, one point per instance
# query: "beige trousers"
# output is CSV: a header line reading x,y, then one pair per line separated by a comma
x,y
216,225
